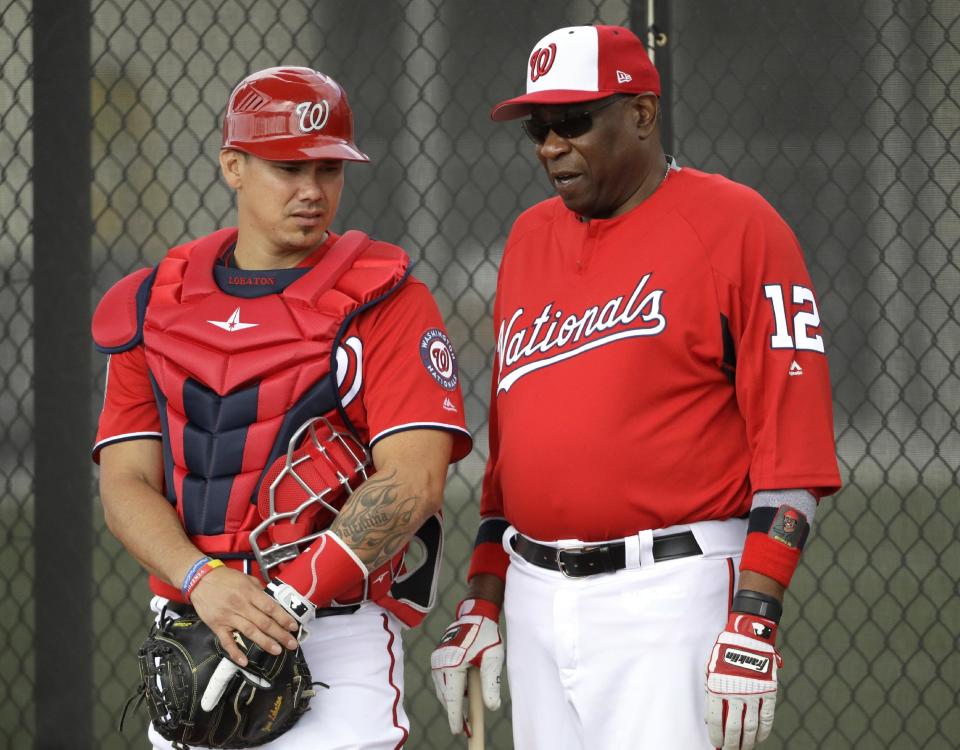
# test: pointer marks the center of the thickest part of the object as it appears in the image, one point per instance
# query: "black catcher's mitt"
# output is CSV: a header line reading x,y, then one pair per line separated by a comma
x,y
176,662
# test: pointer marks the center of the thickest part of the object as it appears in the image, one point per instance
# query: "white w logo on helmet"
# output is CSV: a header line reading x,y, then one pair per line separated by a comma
x,y
313,115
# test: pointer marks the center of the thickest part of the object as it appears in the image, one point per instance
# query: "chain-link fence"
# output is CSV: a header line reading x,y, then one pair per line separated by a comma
x,y
845,115
16,369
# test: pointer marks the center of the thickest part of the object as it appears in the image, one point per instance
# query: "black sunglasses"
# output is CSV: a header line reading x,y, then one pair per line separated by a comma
x,y
571,125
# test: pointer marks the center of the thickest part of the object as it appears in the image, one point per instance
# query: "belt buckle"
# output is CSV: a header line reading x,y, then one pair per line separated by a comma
x,y
561,564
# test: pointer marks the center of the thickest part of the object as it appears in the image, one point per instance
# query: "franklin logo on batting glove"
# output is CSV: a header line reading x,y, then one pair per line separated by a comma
x,y
746,660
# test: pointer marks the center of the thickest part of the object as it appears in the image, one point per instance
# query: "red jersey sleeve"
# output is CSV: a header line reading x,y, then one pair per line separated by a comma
x,y
491,498
410,375
782,377
488,553
129,409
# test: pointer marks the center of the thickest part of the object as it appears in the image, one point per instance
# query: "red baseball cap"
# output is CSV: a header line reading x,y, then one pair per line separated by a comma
x,y
582,64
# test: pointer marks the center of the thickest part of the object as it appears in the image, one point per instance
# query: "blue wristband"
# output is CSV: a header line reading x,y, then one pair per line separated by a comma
x,y
191,573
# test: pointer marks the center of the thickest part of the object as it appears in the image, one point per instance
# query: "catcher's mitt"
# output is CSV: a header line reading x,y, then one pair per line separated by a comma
x,y
176,662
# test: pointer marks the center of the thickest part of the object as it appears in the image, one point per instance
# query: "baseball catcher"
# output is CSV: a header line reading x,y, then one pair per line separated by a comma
x,y
254,375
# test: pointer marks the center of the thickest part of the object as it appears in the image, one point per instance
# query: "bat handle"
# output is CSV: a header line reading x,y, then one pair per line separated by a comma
x,y
475,708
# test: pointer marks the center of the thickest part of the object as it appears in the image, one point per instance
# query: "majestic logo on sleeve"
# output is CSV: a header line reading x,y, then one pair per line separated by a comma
x,y
560,337
437,355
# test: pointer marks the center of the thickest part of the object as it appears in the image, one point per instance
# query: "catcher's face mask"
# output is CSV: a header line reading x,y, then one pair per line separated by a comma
x,y
303,491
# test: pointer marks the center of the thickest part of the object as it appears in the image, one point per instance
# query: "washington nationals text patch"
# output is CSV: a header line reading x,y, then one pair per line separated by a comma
x,y
437,355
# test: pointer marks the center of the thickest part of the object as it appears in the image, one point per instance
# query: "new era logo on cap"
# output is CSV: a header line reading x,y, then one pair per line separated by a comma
x,y
581,64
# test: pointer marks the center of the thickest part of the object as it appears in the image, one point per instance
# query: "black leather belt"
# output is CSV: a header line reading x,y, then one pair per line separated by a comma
x,y
601,558
334,611
181,609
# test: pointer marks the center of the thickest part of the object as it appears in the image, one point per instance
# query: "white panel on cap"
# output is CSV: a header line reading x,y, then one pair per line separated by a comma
x,y
575,65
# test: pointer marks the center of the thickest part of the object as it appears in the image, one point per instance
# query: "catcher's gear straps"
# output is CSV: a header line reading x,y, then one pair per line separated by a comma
x,y
139,696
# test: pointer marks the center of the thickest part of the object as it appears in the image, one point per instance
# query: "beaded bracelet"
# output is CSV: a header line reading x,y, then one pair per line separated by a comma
x,y
196,573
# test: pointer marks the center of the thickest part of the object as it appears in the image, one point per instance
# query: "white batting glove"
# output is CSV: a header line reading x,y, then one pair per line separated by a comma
x,y
742,683
297,606
473,639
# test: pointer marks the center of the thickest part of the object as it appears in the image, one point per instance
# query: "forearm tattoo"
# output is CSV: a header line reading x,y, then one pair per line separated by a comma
x,y
378,519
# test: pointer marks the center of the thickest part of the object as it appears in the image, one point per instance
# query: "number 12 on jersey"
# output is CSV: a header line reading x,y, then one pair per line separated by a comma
x,y
803,320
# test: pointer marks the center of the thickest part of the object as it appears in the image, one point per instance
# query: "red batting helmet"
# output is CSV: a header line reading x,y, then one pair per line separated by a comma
x,y
290,114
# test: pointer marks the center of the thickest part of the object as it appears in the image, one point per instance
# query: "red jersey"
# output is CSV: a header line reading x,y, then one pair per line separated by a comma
x,y
656,368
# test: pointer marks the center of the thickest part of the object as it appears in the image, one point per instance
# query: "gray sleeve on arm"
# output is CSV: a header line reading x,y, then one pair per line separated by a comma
x,y
801,500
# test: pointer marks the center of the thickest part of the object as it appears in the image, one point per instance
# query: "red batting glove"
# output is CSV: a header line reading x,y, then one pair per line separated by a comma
x,y
742,683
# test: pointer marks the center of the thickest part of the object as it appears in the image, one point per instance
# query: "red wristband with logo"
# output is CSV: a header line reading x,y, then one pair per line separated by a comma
x,y
775,537
766,556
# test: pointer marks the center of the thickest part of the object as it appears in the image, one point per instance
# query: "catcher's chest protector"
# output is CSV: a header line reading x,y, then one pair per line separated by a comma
x,y
235,376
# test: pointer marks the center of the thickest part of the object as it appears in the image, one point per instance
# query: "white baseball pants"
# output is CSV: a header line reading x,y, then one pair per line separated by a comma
x,y
360,656
617,661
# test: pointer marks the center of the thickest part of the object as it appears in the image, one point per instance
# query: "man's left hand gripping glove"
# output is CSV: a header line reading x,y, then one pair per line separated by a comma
x,y
297,606
473,639
742,682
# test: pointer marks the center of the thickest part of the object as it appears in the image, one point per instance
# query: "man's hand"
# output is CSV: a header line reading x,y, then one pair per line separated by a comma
x,y
742,683
295,605
229,601
473,639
